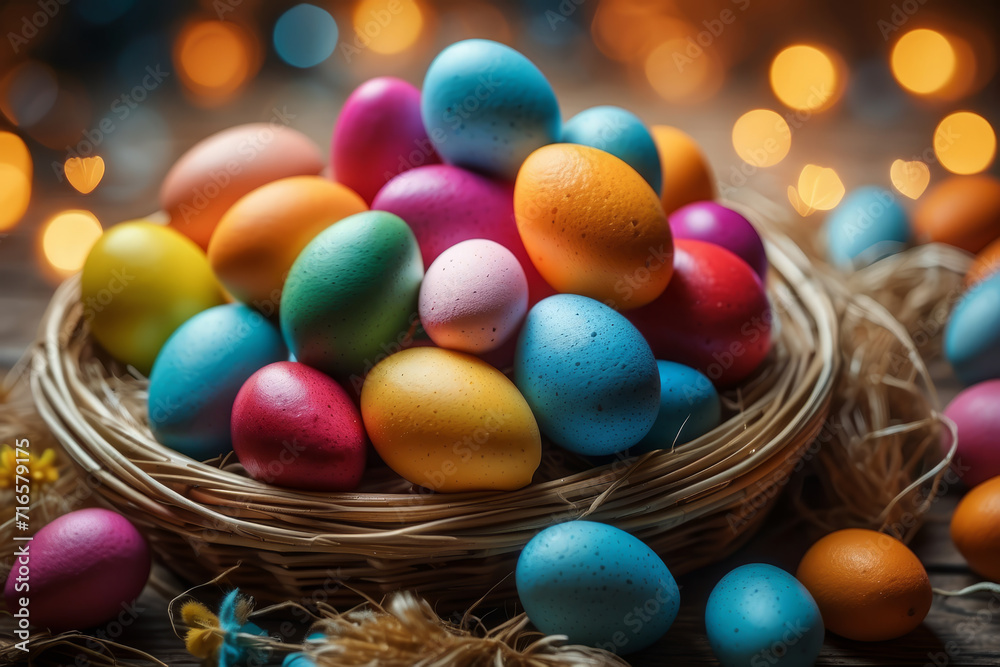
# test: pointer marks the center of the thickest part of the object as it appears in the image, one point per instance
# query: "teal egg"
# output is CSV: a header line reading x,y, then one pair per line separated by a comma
x,y
621,133
972,337
350,298
689,408
199,371
868,225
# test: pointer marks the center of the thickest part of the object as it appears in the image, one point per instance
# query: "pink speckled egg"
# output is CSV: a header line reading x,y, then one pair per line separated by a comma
x,y
714,223
975,413
379,134
445,205
473,297
82,569
294,426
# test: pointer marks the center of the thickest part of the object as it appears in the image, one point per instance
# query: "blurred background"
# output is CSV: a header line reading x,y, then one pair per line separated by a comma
x,y
798,101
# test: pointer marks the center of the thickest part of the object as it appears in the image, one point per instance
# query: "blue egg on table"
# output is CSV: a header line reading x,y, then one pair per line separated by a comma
x,y
972,337
621,133
759,614
588,375
486,107
689,408
598,585
199,371
868,225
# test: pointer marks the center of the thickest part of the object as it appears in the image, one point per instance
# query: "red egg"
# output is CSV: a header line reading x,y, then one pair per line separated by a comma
x,y
714,315
294,426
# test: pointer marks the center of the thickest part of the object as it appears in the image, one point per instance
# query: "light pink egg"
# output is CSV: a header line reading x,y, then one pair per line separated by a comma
x,y
473,297
976,413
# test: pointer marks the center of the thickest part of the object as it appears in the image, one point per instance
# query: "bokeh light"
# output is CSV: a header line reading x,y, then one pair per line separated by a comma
x,y
806,78
67,239
388,26
910,178
923,61
305,35
762,138
214,59
820,188
27,92
965,143
628,30
678,78
15,179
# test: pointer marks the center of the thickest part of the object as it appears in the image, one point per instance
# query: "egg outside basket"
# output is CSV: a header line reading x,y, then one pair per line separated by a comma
x,y
693,504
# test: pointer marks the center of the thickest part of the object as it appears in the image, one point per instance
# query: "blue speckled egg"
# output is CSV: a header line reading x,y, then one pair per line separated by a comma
x,y
199,371
588,375
486,107
972,338
866,226
759,614
689,408
598,585
621,133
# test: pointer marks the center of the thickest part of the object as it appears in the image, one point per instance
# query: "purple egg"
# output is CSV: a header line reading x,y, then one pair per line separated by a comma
x,y
975,414
714,223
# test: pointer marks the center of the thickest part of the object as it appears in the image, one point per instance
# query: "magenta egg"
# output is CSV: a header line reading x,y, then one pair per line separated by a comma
x,y
976,413
294,426
714,223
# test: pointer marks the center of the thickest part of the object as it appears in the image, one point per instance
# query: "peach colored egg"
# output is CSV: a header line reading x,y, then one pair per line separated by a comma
x,y
962,211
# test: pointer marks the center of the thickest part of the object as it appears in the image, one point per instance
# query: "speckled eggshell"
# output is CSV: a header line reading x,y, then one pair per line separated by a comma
x,y
379,134
760,614
621,133
85,568
977,417
972,336
714,223
689,408
714,315
473,297
587,374
294,426
598,585
867,225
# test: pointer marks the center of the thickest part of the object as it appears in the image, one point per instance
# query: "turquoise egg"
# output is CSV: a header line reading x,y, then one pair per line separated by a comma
x,y
972,337
759,614
868,225
598,585
198,373
689,408
486,107
621,133
588,375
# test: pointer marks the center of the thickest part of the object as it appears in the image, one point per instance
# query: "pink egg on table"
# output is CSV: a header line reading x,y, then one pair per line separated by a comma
x,y
473,297
378,135
82,569
714,223
976,413
295,426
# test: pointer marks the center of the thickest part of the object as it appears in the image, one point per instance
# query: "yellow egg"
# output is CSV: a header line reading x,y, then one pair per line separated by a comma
x,y
140,282
593,226
686,175
450,422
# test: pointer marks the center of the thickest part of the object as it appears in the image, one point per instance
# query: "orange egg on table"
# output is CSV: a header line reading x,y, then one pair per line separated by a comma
x,y
987,263
962,211
975,528
593,226
258,239
687,177
868,586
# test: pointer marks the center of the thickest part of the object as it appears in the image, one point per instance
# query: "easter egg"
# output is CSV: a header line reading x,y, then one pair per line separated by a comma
x,y
689,408
714,315
986,263
592,226
445,205
199,371
714,223
687,177
977,419
450,422
262,234
218,170
139,283
473,297
972,335
975,528
759,613
597,585
294,426
866,226
587,374
379,134
621,133
869,586
486,107
83,569
962,211
351,296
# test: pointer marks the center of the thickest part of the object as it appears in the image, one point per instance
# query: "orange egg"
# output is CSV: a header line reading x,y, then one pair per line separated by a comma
x,y
593,226
259,237
987,263
975,528
868,586
686,175
962,211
